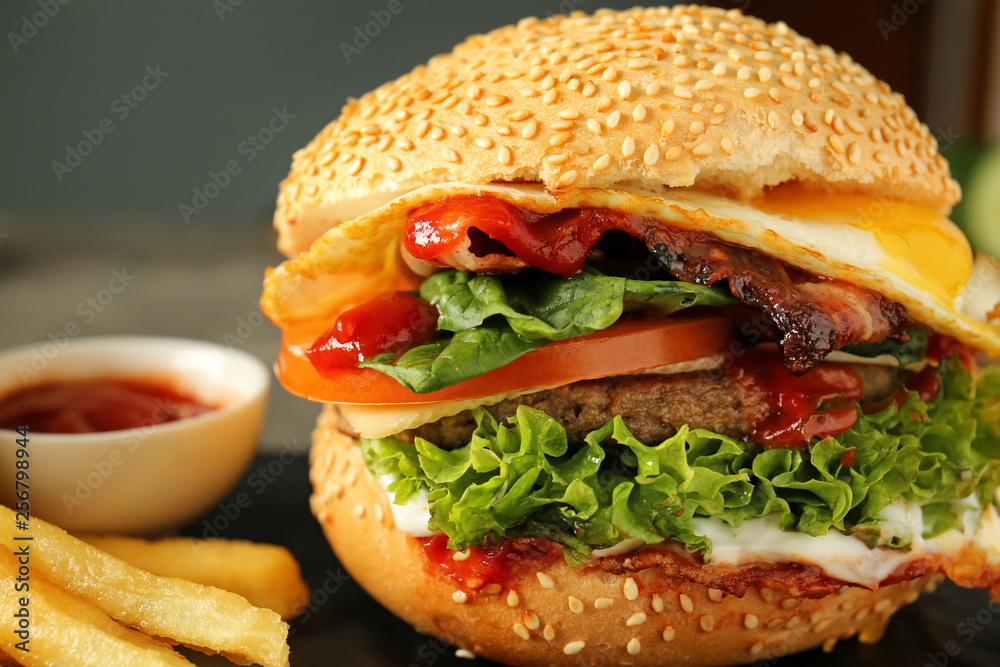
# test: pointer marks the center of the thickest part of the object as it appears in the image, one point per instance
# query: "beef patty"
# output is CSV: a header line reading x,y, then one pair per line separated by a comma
x,y
653,406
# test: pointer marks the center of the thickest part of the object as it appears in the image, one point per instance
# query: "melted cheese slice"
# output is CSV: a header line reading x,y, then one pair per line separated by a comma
x,y
911,255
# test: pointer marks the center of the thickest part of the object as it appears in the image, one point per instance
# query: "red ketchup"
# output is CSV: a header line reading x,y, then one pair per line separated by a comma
x,y
97,405
557,243
794,415
483,569
390,322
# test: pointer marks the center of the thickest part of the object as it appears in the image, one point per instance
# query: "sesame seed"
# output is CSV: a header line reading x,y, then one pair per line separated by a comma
x,y
557,159
518,116
657,603
492,589
715,595
697,127
521,631
465,654
881,157
530,129
550,97
610,74
788,603
881,606
774,120
560,138
702,150
719,69
686,603
707,622
743,73
354,168
797,117
544,579
635,619
727,145
450,155
460,597
751,92
652,155
624,90
674,152
573,648
484,142
628,146
683,93
569,114
536,73
531,620
512,599
394,165
600,164
668,633
588,89
682,61
654,89
630,588
793,622
594,125
847,605
791,83
633,647
358,511
822,625
704,84
549,633
756,648
603,102
638,63
548,82
563,124
504,155
603,603
750,621
829,645
639,113
496,100
575,605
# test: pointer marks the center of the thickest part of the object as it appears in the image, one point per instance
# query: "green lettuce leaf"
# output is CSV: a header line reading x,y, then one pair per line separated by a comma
x,y
521,478
912,351
496,319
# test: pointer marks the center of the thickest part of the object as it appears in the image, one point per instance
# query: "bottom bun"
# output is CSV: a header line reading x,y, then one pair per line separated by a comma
x,y
550,618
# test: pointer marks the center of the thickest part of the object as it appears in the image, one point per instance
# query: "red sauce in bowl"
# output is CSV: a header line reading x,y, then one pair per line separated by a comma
x,y
96,405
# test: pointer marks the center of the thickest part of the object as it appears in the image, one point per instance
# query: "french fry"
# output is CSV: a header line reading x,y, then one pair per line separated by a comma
x,y
265,574
167,607
68,631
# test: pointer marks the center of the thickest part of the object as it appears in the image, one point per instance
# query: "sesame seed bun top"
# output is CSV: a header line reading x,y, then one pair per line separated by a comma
x,y
659,97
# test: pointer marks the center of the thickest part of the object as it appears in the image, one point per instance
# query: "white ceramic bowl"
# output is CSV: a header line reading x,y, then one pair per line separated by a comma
x,y
147,479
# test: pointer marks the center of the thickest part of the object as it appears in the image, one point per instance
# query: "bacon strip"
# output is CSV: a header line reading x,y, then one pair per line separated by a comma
x,y
815,315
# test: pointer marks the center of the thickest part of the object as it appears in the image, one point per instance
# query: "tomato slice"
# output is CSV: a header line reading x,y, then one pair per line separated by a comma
x,y
629,345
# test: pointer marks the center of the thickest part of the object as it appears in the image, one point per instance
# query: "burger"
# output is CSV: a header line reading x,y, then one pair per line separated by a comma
x,y
643,337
